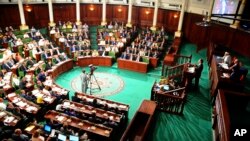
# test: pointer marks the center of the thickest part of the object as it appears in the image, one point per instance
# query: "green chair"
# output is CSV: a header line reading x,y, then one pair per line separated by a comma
x,y
112,54
19,36
20,73
1,55
20,50
17,32
43,66
37,71
145,59
26,40
23,31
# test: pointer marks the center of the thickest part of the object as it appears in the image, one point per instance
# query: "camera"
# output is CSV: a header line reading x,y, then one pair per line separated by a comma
x,y
92,69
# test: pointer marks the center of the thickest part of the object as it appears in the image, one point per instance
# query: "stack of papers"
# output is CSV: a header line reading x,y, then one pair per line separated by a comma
x,y
28,129
223,65
191,69
9,119
2,114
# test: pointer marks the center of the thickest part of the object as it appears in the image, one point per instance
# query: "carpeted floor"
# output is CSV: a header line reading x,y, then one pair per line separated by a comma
x,y
195,123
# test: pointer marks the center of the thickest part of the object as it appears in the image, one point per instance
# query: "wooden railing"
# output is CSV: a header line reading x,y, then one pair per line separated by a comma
x,y
181,59
170,101
177,60
174,72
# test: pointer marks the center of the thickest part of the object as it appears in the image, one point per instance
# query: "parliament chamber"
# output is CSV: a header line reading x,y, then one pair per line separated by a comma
x,y
179,70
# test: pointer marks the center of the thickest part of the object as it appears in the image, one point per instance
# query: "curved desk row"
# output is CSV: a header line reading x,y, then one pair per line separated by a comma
x,y
87,126
97,61
61,68
132,65
139,126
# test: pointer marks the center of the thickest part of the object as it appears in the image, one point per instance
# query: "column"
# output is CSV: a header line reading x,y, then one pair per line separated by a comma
x,y
183,7
129,13
210,10
78,19
241,9
155,15
23,25
104,22
51,18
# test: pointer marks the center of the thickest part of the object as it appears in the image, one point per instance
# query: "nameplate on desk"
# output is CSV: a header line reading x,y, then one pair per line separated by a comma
x,y
28,129
223,65
191,69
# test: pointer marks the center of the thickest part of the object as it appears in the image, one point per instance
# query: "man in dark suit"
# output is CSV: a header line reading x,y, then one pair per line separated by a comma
x,y
198,71
29,62
6,66
48,66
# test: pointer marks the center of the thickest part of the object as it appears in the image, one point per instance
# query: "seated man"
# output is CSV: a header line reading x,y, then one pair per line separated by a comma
x,y
41,76
6,66
19,136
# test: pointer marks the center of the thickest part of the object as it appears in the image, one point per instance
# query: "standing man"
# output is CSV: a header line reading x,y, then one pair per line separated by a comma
x,y
84,80
198,71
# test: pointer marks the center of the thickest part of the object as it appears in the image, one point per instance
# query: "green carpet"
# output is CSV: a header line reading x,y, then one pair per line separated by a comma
x,y
194,124
93,35
137,86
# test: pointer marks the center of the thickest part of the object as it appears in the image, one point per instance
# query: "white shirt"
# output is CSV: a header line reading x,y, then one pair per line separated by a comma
x,y
3,106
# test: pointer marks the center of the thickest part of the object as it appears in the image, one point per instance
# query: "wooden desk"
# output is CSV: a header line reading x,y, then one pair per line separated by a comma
x,y
46,98
89,99
63,93
171,101
230,113
32,127
132,65
8,82
218,82
23,104
66,104
138,127
35,67
8,118
153,62
80,124
61,68
96,61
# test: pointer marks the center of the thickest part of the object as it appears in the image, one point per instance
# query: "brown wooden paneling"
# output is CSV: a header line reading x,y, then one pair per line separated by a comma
x,y
171,20
234,39
135,15
91,13
146,16
10,16
119,13
41,20
64,12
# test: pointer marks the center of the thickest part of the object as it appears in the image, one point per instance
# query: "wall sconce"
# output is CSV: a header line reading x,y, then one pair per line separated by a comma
x,y
91,8
119,9
28,8
175,16
147,12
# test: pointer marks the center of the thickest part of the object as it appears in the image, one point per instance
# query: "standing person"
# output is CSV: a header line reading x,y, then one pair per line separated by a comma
x,y
198,71
84,80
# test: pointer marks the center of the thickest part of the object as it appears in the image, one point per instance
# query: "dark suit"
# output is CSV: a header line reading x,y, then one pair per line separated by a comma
x,y
30,63
6,66
48,66
198,71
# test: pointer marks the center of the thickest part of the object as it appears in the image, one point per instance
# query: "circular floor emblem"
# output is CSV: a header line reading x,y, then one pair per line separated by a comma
x,y
109,84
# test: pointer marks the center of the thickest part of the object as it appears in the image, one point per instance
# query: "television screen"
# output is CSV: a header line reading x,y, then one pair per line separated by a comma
x,y
224,7
62,137
73,138
47,128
